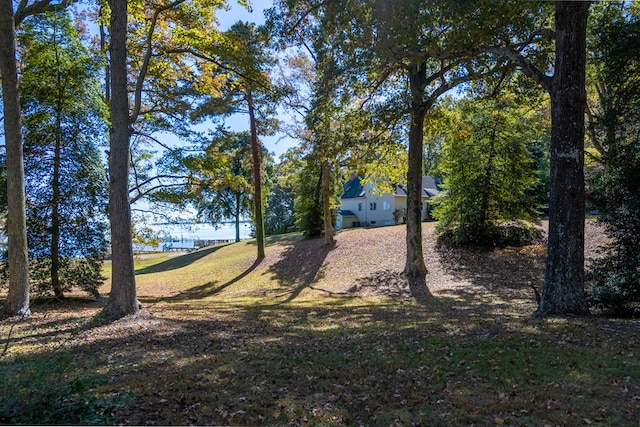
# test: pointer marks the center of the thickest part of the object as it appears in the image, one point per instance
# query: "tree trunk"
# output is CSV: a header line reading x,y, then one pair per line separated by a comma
x,y
256,152
237,215
55,215
326,202
17,303
563,291
123,299
415,266
55,198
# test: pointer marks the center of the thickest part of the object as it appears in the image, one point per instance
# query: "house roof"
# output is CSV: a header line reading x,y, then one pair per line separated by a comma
x,y
352,188
347,213
429,187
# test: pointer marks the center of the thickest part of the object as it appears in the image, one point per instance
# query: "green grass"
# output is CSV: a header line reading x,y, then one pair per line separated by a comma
x,y
224,344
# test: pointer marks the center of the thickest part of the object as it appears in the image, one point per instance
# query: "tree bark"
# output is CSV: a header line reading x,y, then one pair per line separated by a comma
x,y
415,266
17,303
563,291
123,299
256,153
326,202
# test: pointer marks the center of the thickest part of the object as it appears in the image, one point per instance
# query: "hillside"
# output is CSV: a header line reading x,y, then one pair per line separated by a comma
x,y
362,263
317,335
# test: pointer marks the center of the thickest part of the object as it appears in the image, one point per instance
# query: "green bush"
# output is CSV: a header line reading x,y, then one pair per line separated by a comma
x,y
51,390
502,235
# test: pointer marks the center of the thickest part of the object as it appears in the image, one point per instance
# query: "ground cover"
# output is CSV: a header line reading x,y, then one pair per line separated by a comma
x,y
318,335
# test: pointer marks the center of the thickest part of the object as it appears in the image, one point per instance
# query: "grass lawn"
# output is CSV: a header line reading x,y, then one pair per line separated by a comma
x,y
317,335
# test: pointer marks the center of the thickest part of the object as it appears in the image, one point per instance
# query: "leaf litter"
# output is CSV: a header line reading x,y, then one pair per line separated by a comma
x,y
318,335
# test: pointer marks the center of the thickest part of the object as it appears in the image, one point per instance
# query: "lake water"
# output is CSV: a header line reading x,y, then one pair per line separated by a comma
x,y
184,236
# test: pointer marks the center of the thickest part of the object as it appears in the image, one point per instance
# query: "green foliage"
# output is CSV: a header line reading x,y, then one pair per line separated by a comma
x,y
65,180
309,214
82,273
53,389
488,175
220,178
279,218
500,235
614,279
303,175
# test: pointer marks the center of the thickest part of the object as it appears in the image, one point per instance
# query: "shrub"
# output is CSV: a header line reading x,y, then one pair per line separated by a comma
x,y
501,235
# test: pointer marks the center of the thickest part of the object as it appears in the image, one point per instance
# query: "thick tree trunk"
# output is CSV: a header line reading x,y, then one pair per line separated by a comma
x,y
415,266
256,152
18,297
326,202
123,299
563,291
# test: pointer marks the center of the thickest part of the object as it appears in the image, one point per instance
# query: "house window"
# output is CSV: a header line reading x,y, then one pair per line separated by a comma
x,y
360,206
386,206
372,206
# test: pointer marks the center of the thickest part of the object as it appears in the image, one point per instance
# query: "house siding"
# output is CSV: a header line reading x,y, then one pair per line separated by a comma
x,y
385,206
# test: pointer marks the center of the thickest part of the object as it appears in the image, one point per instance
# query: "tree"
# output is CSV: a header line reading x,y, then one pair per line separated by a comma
x,y
123,297
614,278
18,296
564,280
411,53
220,179
563,291
488,174
279,214
65,180
243,57
159,52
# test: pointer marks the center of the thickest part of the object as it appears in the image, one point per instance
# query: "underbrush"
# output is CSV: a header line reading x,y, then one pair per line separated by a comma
x,y
53,389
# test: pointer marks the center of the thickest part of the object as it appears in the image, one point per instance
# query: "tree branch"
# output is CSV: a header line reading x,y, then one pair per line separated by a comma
x,y
147,59
140,194
527,67
24,9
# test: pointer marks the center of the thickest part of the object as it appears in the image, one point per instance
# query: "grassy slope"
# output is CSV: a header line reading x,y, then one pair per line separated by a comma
x,y
333,336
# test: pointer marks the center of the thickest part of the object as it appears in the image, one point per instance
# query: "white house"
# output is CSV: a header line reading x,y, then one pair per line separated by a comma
x,y
361,208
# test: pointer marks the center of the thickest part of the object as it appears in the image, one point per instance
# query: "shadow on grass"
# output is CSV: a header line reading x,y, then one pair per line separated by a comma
x,y
300,265
343,361
203,291
371,364
179,261
511,272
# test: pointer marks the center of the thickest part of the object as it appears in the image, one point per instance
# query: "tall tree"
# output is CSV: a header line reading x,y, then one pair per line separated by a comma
x,y
563,291
243,56
123,297
161,65
18,296
65,181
